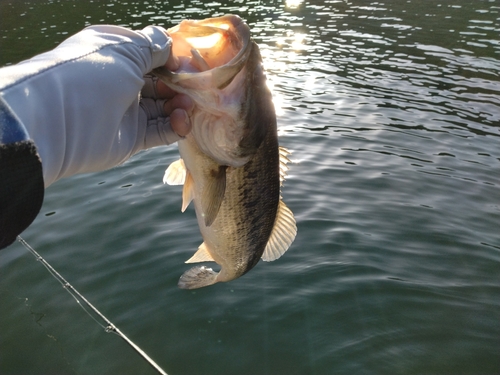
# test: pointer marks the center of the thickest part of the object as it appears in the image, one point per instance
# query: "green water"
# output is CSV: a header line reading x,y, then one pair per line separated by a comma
x,y
392,111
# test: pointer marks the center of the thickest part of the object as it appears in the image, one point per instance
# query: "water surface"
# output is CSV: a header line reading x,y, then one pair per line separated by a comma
x,y
392,112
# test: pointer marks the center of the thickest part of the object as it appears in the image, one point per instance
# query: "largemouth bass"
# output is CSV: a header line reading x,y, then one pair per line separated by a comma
x,y
231,165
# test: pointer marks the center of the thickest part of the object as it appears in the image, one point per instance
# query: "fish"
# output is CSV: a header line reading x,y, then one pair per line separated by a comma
x,y
231,165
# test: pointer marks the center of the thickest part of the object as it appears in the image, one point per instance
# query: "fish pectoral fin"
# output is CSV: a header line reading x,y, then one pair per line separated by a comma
x,y
175,173
197,277
283,234
187,191
213,194
202,255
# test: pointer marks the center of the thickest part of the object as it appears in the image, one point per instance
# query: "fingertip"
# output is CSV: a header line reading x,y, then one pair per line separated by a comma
x,y
186,103
179,101
179,120
172,63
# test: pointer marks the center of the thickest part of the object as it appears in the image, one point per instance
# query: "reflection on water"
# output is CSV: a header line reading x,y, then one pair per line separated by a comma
x,y
293,4
392,111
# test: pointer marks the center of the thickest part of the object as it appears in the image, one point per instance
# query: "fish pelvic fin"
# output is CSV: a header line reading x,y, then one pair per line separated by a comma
x,y
202,255
197,277
282,235
175,173
213,194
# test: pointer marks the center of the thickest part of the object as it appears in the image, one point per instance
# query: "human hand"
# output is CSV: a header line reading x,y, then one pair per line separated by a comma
x,y
159,100
178,106
89,104
82,107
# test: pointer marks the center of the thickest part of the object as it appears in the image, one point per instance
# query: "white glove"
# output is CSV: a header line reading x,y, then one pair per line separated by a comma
x,y
81,102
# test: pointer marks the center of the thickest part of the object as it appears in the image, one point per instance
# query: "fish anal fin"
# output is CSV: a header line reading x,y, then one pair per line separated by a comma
x,y
282,235
187,191
197,277
202,255
213,194
175,173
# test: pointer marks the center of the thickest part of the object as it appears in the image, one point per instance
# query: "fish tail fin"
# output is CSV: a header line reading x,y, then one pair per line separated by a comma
x,y
197,277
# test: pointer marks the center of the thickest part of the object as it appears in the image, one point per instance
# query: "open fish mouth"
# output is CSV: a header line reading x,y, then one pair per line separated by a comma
x,y
208,44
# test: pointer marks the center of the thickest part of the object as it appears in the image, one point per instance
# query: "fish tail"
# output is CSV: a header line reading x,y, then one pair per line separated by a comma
x,y
197,277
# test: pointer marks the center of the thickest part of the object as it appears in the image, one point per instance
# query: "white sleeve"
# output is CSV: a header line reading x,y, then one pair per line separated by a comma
x,y
80,101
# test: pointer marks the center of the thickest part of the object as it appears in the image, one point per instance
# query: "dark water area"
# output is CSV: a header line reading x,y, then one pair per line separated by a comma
x,y
392,112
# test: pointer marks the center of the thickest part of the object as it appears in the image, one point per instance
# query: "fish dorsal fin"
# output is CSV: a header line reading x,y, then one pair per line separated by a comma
x,y
283,234
213,194
283,163
202,255
175,173
187,191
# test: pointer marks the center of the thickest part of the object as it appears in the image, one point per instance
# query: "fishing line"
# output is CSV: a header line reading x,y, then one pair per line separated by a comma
x,y
109,327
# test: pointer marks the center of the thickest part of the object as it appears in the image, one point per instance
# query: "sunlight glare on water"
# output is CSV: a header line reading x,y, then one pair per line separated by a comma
x,y
293,4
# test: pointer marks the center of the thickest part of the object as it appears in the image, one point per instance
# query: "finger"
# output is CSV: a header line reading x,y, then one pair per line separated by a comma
x,y
149,90
180,123
164,91
181,101
172,63
153,108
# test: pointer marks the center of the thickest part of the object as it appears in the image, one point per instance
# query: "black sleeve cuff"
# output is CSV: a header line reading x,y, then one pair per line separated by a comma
x,y
21,189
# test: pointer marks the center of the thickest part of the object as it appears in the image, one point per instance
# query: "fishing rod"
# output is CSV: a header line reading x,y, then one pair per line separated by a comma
x,y
109,327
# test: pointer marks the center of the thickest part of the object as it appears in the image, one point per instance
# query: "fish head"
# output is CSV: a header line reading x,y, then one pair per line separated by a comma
x,y
221,70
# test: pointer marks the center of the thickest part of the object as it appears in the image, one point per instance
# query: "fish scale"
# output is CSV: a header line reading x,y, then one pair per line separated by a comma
x,y
249,209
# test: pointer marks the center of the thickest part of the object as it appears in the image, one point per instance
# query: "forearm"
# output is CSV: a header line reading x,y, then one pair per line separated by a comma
x,y
58,94
74,109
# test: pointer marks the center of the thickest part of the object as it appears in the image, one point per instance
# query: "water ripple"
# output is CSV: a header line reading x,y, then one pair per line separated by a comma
x,y
392,113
